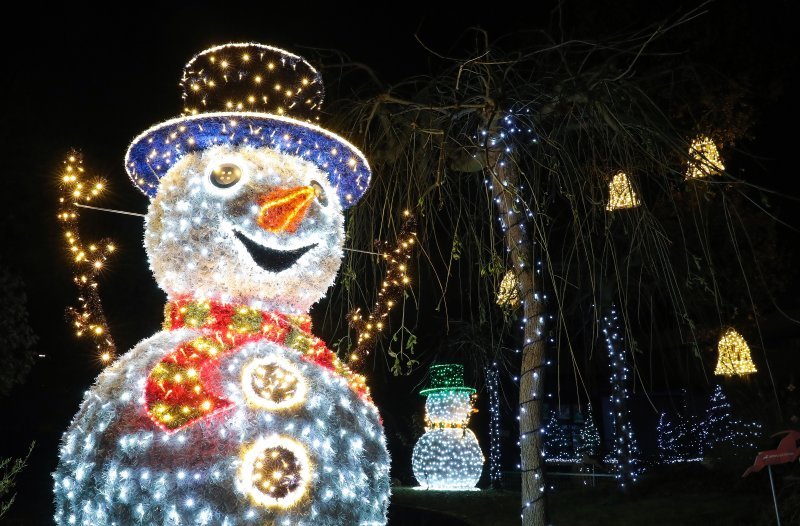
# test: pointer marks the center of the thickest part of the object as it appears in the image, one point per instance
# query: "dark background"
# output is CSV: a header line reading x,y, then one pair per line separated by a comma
x,y
85,78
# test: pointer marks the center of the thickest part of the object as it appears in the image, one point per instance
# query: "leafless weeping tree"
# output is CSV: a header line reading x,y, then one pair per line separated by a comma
x,y
506,156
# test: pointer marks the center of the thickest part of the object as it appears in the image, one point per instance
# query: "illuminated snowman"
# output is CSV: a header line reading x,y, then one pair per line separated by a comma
x,y
234,414
447,456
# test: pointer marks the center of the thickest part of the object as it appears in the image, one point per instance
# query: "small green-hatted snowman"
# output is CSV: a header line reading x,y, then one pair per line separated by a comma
x,y
447,456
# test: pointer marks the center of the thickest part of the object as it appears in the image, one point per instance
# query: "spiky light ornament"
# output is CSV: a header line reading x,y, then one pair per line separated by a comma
x,y
621,194
734,355
234,413
704,159
447,456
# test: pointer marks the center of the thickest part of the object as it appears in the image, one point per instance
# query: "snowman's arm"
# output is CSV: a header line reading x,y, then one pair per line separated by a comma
x,y
88,259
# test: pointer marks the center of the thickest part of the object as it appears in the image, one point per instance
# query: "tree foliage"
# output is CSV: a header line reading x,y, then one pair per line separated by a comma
x,y
17,339
555,116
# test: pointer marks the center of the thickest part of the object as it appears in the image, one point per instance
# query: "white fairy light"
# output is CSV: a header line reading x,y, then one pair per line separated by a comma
x,y
624,455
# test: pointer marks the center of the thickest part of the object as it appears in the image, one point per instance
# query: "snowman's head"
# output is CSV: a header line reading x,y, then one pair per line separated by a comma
x,y
245,225
247,191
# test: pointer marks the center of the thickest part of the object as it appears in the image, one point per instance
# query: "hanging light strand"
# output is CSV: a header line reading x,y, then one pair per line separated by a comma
x,y
393,286
89,260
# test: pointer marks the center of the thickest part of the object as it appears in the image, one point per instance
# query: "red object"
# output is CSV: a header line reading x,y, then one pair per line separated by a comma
x,y
787,451
180,389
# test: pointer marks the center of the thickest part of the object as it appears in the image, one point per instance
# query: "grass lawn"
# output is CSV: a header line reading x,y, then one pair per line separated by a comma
x,y
684,496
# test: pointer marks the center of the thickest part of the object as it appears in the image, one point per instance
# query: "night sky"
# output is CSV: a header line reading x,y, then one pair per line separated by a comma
x,y
86,79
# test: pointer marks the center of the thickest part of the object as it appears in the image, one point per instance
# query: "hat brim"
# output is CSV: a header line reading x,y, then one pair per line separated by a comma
x,y
428,391
157,149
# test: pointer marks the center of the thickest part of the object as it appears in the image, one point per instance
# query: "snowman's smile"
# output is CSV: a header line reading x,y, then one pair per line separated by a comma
x,y
271,259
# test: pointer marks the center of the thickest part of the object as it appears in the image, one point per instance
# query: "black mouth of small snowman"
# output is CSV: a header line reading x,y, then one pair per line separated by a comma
x,y
271,259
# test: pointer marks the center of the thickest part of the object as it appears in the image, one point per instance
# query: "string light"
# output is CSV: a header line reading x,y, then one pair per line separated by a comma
x,y
624,451
589,436
734,355
508,293
690,438
89,260
234,413
558,445
447,456
395,281
621,194
493,387
704,159
721,430
588,443
679,442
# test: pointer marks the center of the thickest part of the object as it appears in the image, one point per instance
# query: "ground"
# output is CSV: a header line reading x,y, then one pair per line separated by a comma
x,y
682,495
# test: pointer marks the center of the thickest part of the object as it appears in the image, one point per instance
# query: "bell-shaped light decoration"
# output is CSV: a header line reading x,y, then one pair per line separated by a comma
x,y
508,294
734,355
704,159
621,194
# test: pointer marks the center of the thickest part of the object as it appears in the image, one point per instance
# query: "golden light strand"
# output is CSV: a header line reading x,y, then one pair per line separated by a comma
x,y
704,159
392,289
621,194
87,318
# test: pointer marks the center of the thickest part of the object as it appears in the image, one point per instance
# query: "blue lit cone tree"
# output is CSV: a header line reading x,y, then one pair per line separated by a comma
x,y
447,456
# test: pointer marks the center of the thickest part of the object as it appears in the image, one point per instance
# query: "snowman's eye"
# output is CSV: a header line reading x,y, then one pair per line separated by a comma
x,y
225,175
319,192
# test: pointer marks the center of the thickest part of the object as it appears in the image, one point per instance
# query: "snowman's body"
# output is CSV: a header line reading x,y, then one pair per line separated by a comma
x,y
237,420
119,469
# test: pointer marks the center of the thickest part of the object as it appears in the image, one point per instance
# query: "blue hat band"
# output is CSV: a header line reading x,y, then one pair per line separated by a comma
x,y
156,150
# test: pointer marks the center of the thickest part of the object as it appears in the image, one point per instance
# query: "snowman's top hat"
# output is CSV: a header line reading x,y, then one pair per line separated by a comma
x,y
446,377
249,94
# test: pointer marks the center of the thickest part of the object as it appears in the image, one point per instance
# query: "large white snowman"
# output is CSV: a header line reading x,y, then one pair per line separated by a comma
x,y
234,414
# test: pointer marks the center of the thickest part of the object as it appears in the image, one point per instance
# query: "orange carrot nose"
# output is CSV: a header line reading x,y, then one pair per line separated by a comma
x,y
283,209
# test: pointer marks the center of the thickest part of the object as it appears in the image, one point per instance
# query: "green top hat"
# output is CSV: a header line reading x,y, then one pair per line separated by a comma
x,y
446,377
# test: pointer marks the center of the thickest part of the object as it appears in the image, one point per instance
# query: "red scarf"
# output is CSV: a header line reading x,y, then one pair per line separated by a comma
x,y
181,388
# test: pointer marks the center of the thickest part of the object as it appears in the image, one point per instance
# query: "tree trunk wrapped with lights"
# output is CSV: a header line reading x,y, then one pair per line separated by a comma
x,y
504,186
